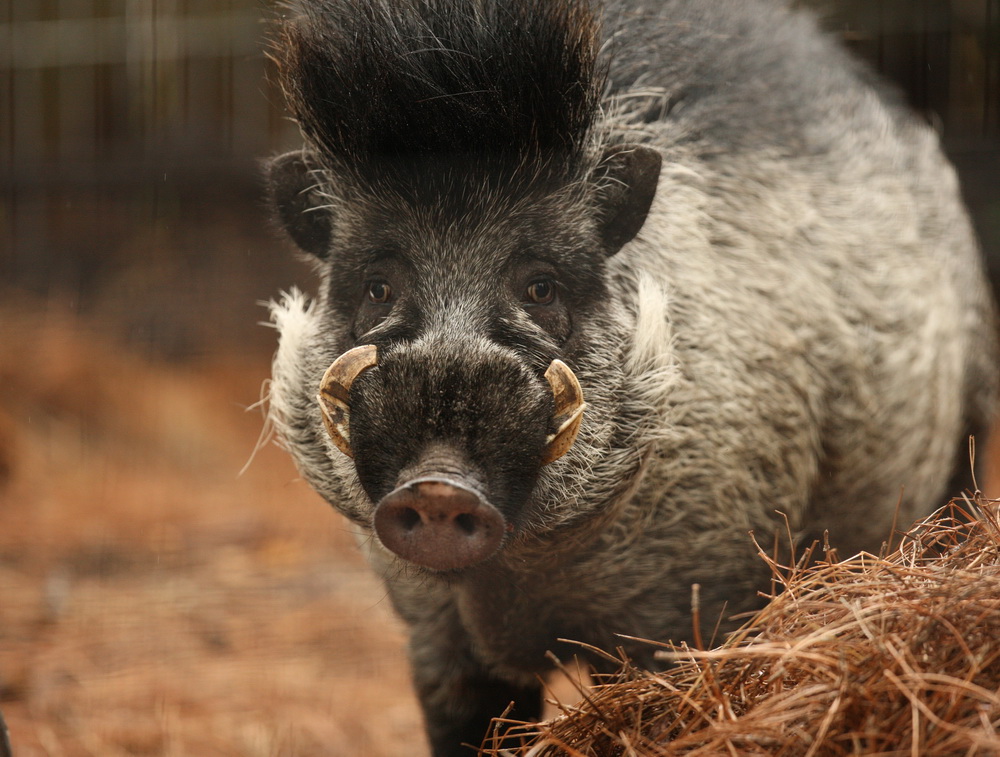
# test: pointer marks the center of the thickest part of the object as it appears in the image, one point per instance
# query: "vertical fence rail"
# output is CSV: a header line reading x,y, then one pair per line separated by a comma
x,y
991,82
93,87
114,114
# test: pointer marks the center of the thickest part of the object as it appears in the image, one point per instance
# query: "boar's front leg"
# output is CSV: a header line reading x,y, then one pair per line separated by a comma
x,y
459,696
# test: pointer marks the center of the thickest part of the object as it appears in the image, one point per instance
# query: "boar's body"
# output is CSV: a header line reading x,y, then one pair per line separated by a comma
x,y
801,326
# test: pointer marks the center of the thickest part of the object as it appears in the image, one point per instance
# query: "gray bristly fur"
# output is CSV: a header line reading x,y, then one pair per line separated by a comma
x,y
801,326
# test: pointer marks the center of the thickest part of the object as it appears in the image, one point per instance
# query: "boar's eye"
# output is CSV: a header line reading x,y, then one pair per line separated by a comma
x,y
541,291
379,292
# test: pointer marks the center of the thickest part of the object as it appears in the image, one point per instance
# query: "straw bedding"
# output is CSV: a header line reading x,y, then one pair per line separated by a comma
x,y
897,654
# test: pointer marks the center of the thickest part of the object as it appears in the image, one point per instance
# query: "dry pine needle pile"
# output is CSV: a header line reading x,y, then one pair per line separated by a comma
x,y
893,655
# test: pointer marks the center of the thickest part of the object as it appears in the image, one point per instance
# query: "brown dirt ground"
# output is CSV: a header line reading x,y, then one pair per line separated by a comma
x,y
155,601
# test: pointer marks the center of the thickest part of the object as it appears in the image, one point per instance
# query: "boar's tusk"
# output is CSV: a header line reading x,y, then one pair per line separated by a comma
x,y
335,389
568,413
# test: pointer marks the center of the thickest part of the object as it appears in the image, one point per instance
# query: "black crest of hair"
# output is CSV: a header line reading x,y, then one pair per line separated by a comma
x,y
382,85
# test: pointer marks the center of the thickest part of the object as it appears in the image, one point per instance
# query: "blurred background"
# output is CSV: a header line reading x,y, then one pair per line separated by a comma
x,y
162,593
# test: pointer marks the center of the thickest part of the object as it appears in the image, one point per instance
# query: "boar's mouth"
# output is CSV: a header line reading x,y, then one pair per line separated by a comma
x,y
436,519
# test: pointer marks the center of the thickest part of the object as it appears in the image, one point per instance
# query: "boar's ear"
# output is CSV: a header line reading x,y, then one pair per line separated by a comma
x,y
627,176
292,185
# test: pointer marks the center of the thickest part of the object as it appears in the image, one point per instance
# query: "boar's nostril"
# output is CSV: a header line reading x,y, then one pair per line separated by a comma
x,y
408,518
466,522
439,524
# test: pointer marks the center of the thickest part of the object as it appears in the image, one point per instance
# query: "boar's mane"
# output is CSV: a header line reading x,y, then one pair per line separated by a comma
x,y
390,88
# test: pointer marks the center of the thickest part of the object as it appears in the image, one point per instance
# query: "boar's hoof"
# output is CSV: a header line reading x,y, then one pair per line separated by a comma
x,y
335,388
439,524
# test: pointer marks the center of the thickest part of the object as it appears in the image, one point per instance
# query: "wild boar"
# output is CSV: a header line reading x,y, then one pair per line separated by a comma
x,y
603,291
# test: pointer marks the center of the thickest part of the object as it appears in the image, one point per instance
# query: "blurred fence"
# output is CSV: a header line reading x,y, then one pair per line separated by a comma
x,y
945,54
130,132
96,90
130,135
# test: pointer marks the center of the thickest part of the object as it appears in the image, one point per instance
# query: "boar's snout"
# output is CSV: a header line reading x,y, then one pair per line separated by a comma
x,y
448,438
439,524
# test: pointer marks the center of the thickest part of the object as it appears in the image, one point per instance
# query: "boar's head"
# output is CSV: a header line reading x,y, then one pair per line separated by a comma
x,y
462,246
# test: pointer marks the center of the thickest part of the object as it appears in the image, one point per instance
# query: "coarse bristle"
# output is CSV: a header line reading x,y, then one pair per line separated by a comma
x,y
892,655
392,86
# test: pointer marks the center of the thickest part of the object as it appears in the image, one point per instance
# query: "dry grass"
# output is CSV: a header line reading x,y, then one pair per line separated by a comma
x,y
889,655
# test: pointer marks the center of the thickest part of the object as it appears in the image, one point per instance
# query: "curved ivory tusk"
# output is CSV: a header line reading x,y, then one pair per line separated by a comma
x,y
569,403
335,389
